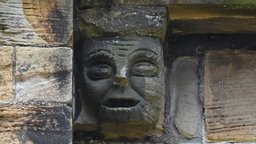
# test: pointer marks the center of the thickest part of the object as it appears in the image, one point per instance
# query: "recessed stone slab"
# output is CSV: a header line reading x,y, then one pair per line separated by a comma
x,y
230,95
33,124
6,73
43,74
185,89
124,20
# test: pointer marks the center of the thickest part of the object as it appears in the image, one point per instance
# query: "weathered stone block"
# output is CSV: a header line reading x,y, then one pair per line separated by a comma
x,y
185,89
124,20
33,124
93,3
35,22
101,3
212,18
6,72
230,95
43,74
105,3
141,2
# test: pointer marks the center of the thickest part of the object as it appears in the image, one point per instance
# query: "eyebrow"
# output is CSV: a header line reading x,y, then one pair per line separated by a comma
x,y
144,50
100,52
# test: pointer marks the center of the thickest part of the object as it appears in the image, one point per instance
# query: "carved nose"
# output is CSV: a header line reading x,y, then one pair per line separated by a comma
x,y
120,81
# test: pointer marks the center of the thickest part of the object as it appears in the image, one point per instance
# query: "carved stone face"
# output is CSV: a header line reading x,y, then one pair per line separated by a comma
x,y
124,78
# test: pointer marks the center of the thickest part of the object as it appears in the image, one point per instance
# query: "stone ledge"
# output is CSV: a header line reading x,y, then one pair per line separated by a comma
x,y
124,20
101,3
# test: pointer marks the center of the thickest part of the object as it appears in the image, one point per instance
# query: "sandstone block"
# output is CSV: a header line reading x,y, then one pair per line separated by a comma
x,y
189,18
230,95
35,22
6,72
92,3
185,88
105,3
124,20
43,74
100,3
35,125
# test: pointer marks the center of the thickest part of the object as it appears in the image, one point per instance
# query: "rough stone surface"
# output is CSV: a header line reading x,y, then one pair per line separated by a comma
x,y
30,124
97,3
43,74
185,89
124,20
6,73
141,2
230,95
92,3
106,3
250,2
35,22
194,19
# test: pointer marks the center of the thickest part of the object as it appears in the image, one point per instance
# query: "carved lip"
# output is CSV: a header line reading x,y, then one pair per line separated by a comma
x,y
120,103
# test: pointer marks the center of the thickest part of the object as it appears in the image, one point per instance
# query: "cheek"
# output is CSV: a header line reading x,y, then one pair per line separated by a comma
x,y
155,90
137,83
147,86
150,88
96,89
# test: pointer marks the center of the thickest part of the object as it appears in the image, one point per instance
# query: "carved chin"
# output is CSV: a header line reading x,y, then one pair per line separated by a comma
x,y
134,111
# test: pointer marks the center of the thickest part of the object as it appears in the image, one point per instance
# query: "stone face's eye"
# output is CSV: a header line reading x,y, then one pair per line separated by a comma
x,y
99,71
144,68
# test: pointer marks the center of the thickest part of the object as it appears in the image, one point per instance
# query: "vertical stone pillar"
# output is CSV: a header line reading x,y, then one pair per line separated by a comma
x,y
36,71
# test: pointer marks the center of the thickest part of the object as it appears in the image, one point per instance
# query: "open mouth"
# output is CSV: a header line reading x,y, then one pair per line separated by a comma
x,y
120,103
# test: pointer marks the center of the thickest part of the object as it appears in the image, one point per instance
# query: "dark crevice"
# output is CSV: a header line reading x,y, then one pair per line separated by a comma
x,y
120,103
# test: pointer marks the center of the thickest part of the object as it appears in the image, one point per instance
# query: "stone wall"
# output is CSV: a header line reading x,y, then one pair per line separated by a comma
x,y
208,49
195,30
36,71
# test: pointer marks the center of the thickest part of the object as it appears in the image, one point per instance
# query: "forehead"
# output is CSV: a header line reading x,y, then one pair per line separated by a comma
x,y
125,45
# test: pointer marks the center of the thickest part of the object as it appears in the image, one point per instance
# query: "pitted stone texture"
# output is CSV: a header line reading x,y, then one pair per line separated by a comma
x,y
6,76
43,74
125,20
185,88
230,95
30,124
